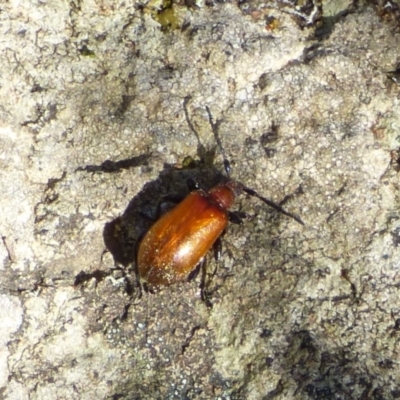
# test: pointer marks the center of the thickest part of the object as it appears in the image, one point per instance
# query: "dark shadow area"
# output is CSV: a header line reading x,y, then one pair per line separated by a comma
x,y
109,166
321,372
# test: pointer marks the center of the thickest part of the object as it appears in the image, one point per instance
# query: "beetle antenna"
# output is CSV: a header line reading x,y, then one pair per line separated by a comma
x,y
214,127
272,204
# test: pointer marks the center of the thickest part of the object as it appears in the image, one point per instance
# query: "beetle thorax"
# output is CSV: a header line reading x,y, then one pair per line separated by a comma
x,y
224,195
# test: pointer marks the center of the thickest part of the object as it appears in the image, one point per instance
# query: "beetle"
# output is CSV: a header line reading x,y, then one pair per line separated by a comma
x,y
178,242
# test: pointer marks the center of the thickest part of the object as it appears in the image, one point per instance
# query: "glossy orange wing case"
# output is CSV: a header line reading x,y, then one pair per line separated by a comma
x,y
180,239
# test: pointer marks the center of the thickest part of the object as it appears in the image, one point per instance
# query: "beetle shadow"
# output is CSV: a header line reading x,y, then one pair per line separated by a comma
x,y
122,235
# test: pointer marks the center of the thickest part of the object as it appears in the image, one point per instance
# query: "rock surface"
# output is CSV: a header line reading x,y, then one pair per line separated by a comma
x,y
99,100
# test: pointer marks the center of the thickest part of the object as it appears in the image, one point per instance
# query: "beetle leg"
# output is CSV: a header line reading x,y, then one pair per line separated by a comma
x,y
204,286
142,285
217,249
205,295
202,265
147,288
193,185
136,267
193,274
169,198
146,216
236,217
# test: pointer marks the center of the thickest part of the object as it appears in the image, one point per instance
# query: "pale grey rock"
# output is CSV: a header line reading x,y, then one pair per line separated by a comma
x,y
93,119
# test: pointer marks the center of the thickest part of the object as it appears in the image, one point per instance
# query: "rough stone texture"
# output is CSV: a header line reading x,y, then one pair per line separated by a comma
x,y
100,100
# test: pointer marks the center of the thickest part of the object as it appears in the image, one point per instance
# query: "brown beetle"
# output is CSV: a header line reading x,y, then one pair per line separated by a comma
x,y
176,244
